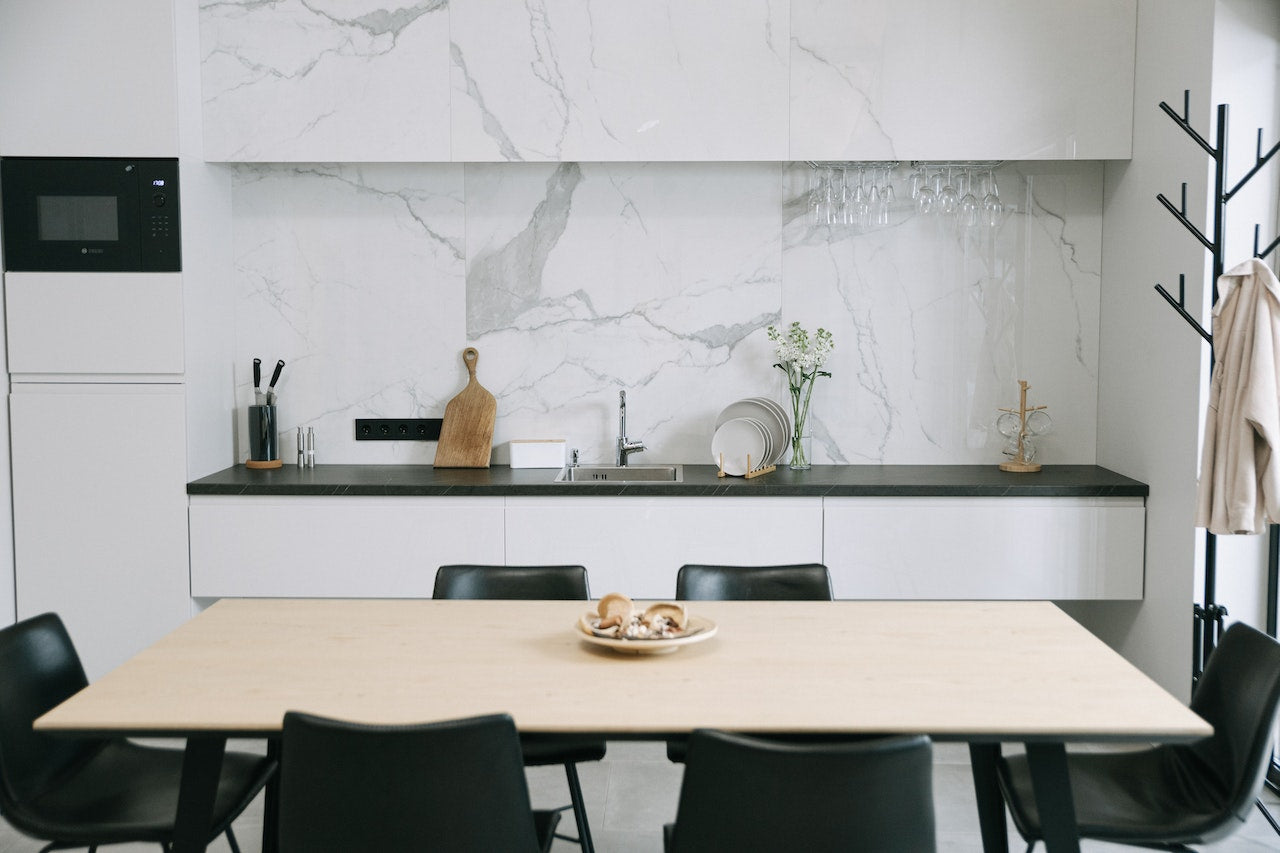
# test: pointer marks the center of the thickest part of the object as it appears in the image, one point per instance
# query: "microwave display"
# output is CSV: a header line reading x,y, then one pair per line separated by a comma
x,y
90,215
77,217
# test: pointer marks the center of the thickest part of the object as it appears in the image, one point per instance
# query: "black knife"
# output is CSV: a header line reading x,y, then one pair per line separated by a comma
x,y
275,377
257,382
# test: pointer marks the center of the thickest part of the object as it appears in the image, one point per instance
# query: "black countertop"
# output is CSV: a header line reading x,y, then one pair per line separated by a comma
x,y
699,481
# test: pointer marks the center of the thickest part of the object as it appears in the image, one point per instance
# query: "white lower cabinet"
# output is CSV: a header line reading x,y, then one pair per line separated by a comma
x,y
904,548
636,545
99,513
985,548
357,547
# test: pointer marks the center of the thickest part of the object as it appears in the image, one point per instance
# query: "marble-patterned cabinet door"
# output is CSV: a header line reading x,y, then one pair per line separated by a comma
x,y
977,80
669,80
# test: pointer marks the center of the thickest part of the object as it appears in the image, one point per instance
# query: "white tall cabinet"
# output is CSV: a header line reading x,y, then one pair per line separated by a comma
x,y
98,445
95,361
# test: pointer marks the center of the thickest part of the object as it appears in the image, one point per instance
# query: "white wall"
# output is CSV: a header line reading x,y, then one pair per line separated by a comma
x,y
208,290
1149,359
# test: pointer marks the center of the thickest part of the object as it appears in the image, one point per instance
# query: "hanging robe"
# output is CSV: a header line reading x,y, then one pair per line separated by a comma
x,y
1239,489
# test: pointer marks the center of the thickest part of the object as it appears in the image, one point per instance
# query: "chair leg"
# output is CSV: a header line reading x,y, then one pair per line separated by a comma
x,y
231,840
579,810
1267,814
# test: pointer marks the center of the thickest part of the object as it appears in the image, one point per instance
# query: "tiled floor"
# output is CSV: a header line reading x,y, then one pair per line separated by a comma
x,y
634,791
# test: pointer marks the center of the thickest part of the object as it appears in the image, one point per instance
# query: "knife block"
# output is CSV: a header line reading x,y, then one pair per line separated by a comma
x,y
264,439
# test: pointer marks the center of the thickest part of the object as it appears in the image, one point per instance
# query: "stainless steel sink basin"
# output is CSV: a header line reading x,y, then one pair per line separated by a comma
x,y
627,474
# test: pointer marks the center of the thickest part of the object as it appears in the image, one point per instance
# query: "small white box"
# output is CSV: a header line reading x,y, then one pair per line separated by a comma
x,y
537,452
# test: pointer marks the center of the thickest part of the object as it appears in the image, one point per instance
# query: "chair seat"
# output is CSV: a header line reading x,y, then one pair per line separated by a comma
x,y
540,749
129,792
1127,797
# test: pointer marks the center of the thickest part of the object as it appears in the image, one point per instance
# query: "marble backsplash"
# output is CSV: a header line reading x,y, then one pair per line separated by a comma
x,y
577,280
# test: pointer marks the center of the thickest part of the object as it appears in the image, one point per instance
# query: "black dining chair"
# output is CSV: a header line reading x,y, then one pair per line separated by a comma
x,y
706,582
85,792
542,583
1169,796
750,794
457,785
797,582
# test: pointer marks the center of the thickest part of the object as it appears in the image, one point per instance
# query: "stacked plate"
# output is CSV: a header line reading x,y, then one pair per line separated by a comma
x,y
754,426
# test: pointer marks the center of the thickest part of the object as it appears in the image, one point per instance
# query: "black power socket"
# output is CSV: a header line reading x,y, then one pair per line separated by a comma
x,y
398,429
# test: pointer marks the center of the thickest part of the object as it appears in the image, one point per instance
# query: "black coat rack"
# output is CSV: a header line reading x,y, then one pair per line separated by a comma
x,y
1208,617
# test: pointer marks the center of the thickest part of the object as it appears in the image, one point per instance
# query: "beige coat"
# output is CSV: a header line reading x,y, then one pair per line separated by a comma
x,y
1239,488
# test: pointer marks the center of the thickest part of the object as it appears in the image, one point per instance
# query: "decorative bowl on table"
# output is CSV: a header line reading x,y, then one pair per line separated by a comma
x,y
657,629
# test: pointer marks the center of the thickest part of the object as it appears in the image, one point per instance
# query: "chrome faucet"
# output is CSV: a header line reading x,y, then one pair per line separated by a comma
x,y
625,447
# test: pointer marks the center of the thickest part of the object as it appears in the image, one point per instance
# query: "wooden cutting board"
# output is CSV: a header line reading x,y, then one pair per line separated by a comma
x,y
466,436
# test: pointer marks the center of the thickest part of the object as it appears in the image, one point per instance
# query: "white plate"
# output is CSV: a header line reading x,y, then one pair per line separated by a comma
x,y
770,414
780,427
699,629
735,440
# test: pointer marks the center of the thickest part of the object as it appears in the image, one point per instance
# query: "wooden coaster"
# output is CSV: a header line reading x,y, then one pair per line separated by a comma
x,y
270,463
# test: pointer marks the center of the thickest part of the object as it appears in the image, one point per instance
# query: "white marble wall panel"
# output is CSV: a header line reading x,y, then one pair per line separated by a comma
x,y
934,324
560,80
329,80
587,279
576,281
983,79
354,276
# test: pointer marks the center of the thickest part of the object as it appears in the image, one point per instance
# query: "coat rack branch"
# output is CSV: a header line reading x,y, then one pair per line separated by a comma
x,y
1261,161
1179,305
1182,121
1181,216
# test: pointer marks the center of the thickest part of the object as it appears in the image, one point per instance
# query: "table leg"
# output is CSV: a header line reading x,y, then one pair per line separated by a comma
x,y
995,832
1052,785
201,767
271,803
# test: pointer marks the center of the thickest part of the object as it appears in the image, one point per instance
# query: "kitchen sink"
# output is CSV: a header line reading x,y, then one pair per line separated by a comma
x,y
622,474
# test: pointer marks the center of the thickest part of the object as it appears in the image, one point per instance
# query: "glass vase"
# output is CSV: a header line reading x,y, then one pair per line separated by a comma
x,y
801,451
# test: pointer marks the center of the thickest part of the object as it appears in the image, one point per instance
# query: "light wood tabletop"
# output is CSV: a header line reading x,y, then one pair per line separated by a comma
x,y
969,670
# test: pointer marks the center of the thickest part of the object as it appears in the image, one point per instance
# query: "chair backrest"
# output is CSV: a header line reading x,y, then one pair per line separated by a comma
x,y
1239,694
746,793
548,583
456,785
39,668
799,582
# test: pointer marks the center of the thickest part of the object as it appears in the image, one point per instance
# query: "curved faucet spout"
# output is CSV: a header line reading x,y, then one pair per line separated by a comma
x,y
625,447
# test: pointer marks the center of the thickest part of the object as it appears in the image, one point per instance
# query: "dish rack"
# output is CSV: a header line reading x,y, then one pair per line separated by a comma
x,y
751,472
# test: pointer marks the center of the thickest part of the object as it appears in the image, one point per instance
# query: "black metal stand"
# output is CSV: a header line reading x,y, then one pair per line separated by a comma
x,y
1208,618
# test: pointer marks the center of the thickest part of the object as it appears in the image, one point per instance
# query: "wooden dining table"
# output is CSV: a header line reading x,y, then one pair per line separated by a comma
x,y
985,673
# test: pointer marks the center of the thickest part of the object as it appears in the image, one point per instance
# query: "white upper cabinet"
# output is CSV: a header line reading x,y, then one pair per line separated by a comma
x,y
670,80
972,80
81,79
574,80
336,80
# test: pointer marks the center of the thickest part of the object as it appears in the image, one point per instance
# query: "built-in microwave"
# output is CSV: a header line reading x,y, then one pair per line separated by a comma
x,y
96,215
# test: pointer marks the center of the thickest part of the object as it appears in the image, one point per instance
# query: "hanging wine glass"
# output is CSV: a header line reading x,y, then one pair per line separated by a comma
x,y
968,202
887,196
948,198
992,209
926,197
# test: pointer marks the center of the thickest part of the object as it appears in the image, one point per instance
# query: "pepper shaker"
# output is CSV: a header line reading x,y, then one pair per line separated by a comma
x,y
302,456
311,447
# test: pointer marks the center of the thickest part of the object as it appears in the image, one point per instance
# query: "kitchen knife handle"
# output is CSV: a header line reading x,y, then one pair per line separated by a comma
x,y
257,373
275,377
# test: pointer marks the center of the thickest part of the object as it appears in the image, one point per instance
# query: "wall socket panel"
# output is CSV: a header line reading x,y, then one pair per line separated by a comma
x,y
398,429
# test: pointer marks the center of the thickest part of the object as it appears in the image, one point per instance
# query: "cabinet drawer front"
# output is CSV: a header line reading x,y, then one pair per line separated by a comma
x,y
336,547
1002,548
